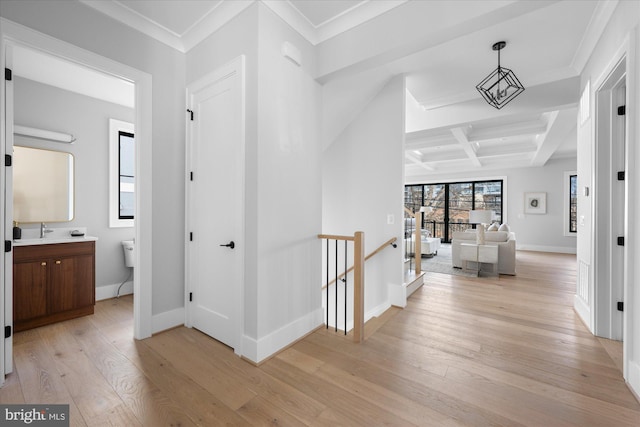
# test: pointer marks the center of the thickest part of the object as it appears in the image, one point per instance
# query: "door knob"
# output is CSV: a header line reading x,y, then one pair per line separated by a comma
x,y
230,245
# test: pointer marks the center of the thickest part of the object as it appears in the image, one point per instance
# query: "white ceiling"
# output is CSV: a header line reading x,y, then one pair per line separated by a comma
x,y
449,126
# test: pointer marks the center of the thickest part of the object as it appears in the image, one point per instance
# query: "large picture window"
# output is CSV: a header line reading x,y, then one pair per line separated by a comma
x,y
447,205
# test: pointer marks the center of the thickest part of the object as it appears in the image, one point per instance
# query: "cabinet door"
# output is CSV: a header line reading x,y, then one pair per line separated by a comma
x,y
72,283
29,289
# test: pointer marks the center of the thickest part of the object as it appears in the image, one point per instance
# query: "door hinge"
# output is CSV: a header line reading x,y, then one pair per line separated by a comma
x,y
190,176
621,241
7,331
191,113
7,160
7,245
8,75
620,306
190,296
622,110
621,176
191,236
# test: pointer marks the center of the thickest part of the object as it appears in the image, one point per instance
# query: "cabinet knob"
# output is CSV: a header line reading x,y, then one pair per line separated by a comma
x,y
43,263
58,262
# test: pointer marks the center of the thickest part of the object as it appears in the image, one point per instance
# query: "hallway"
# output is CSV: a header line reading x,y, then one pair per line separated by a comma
x,y
465,351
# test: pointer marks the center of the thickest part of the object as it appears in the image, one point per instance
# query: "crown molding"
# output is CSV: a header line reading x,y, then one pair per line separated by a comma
x,y
207,25
357,15
598,23
224,12
136,21
350,18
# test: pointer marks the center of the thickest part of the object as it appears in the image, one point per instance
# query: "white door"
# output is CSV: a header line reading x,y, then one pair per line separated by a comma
x,y
215,199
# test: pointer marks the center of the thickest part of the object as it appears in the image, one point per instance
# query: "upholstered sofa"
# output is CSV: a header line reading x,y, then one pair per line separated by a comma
x,y
505,240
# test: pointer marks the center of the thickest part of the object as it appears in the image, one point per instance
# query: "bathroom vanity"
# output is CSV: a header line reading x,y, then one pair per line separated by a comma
x,y
53,280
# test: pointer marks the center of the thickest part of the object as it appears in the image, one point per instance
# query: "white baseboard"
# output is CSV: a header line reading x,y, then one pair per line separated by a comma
x,y
258,350
109,291
583,310
398,295
540,248
376,311
633,381
167,320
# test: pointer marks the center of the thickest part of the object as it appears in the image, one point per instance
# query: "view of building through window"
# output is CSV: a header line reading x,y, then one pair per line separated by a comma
x,y
573,203
447,205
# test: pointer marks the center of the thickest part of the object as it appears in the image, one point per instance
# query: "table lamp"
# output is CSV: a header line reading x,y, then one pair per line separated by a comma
x,y
482,217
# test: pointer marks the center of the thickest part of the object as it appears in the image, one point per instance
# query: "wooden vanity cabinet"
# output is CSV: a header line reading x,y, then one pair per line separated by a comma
x,y
52,283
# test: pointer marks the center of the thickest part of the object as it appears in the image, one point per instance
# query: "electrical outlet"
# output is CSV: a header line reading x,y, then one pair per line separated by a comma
x,y
391,219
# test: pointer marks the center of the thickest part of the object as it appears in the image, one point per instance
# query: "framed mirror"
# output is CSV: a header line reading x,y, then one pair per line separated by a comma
x,y
43,185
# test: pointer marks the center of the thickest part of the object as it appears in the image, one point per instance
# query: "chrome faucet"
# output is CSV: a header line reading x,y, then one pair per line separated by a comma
x,y
43,230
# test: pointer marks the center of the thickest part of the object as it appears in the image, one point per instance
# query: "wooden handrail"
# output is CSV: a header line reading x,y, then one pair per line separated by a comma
x,y
409,212
379,249
336,237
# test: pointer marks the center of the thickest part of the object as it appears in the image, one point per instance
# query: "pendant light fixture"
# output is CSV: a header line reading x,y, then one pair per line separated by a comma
x,y
501,85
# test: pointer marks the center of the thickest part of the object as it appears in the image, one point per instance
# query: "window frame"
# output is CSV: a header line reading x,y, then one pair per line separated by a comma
x,y
446,237
567,204
115,128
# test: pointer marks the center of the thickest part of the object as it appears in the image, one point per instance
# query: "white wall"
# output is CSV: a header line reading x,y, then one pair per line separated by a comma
x,y
533,232
84,27
289,184
362,183
46,107
282,194
622,28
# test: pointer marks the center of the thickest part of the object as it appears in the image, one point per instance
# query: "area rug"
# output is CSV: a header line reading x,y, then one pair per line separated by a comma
x,y
442,263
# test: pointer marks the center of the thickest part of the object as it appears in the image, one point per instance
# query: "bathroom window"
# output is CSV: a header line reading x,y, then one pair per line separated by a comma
x,y
126,178
121,174
570,204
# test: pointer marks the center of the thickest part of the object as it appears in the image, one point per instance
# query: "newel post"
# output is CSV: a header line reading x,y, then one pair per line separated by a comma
x,y
417,250
358,287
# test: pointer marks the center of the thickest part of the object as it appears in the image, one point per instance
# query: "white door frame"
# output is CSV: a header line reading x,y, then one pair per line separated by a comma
x,y
16,34
237,66
604,232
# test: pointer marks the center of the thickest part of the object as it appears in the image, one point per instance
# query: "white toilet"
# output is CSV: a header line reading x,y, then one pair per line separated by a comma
x,y
128,246
129,252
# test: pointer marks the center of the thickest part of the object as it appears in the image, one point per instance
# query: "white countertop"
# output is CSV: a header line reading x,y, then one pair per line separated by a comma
x,y
31,236
53,240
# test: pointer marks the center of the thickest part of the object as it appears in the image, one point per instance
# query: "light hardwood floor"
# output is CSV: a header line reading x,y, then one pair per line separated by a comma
x,y
487,351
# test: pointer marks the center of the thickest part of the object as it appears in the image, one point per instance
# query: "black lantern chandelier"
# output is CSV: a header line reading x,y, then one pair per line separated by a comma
x,y
502,85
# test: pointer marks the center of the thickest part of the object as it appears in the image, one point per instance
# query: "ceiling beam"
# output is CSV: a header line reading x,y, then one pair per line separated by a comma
x,y
532,127
459,134
547,145
413,158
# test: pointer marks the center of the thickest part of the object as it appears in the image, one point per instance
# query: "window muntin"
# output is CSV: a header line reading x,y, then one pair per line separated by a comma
x,y
447,205
573,203
126,177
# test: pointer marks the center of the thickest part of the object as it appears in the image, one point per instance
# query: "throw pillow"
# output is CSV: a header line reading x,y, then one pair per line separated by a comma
x,y
493,227
504,227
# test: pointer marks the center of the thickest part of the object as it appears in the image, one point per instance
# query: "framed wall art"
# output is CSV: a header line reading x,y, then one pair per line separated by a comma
x,y
535,203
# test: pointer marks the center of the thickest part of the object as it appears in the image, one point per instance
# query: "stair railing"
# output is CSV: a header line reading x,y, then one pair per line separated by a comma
x,y
358,277
416,238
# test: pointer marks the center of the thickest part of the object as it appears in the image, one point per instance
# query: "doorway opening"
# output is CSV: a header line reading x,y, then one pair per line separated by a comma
x,y
611,207
17,36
